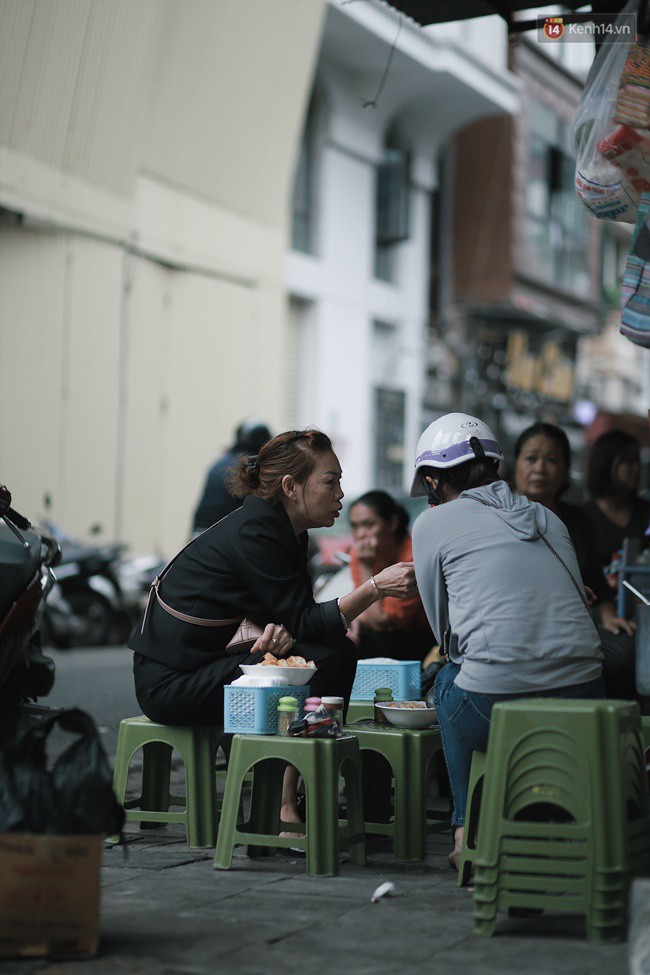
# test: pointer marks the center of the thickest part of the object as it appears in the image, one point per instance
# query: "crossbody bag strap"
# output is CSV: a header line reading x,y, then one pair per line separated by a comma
x,y
184,617
556,554
567,569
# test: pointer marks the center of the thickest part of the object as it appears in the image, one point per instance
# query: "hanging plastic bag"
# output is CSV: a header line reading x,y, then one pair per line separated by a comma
x,y
613,160
74,796
635,288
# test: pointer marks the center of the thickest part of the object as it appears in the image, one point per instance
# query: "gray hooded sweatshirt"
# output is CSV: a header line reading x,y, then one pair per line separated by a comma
x,y
518,623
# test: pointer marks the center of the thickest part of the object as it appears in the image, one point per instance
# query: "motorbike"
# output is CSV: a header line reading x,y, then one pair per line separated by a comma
x,y
87,606
27,557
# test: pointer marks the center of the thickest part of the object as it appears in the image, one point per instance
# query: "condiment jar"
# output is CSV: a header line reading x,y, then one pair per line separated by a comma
x,y
335,707
382,696
311,704
287,713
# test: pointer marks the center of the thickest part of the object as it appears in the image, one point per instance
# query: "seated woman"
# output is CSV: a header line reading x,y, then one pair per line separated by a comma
x,y
498,576
542,464
253,564
615,511
390,627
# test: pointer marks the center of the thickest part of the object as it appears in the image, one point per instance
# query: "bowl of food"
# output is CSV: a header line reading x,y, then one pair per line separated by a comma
x,y
409,714
295,669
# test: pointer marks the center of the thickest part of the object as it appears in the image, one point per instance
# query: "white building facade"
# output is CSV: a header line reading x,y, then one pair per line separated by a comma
x,y
387,96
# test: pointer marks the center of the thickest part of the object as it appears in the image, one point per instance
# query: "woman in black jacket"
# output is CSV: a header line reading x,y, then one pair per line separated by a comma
x,y
253,563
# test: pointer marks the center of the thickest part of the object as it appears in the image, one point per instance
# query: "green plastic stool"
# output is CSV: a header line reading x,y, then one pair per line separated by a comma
x,y
470,833
320,761
197,747
565,813
360,711
409,754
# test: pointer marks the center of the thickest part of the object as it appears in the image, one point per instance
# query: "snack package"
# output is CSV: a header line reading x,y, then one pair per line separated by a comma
x,y
315,724
629,150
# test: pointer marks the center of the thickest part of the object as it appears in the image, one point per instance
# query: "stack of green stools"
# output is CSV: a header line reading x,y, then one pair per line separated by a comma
x,y
320,761
197,747
565,813
410,755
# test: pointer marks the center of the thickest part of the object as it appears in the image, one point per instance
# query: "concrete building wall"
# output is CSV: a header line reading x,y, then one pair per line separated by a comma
x,y
146,159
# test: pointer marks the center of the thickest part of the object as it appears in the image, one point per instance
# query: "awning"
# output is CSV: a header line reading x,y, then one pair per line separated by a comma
x,y
426,12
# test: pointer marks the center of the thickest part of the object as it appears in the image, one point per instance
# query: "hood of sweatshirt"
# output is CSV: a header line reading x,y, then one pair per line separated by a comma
x,y
525,519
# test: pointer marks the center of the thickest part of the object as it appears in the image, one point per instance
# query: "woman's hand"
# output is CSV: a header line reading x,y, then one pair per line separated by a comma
x,y
610,621
276,639
397,580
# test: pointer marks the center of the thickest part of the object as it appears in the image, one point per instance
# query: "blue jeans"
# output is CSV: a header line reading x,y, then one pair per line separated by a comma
x,y
464,718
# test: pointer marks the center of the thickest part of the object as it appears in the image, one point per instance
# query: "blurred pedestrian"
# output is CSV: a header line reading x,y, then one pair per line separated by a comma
x,y
217,501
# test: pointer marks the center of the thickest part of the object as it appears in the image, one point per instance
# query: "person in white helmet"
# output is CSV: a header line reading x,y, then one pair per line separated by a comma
x,y
501,587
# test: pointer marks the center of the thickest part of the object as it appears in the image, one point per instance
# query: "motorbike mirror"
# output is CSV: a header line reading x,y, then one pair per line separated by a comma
x,y
47,501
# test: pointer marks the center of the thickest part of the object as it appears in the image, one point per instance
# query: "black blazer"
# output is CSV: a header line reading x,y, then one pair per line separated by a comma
x,y
252,564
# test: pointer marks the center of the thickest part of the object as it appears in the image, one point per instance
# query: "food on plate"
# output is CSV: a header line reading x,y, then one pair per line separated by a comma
x,y
415,705
294,661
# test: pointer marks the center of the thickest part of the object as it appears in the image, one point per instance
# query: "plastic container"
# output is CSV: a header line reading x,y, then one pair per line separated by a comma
x,y
382,696
335,707
402,676
287,714
311,704
254,710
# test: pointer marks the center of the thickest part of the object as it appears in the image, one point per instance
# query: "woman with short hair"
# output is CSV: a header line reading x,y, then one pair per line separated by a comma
x,y
542,465
615,511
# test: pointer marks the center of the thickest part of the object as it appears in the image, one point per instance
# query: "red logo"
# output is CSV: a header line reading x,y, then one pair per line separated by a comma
x,y
554,28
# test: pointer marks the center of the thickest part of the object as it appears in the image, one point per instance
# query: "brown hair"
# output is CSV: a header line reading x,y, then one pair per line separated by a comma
x,y
293,452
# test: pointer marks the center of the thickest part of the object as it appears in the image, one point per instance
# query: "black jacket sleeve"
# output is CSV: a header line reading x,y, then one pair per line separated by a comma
x,y
276,575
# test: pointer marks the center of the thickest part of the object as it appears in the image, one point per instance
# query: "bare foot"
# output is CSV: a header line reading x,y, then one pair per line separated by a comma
x,y
289,814
453,859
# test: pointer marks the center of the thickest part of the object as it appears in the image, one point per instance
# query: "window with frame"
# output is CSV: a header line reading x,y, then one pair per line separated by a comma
x,y
392,204
556,225
303,209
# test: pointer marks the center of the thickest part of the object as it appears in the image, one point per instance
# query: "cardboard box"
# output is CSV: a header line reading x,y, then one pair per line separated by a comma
x,y
49,895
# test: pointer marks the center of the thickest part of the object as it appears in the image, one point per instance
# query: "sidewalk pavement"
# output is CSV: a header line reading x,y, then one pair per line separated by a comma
x,y
166,911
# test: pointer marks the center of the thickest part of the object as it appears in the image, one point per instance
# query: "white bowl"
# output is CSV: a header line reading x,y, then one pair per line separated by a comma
x,y
295,676
402,717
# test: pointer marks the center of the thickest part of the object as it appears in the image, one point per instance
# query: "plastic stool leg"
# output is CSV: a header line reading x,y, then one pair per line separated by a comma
x,y
229,809
156,775
266,799
201,793
354,806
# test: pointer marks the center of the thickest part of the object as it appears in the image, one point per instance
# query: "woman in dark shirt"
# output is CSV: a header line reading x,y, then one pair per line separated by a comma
x,y
253,563
615,511
542,464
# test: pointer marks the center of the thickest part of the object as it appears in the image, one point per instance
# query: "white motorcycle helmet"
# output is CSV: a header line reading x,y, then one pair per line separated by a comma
x,y
452,440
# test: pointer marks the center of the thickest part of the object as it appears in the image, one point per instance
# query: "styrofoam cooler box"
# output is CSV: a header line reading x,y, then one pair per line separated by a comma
x,y
402,676
254,710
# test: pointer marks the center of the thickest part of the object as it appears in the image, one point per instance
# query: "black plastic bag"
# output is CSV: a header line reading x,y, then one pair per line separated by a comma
x,y
74,796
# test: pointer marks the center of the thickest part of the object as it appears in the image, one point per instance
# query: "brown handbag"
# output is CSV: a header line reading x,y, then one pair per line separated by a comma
x,y
244,637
